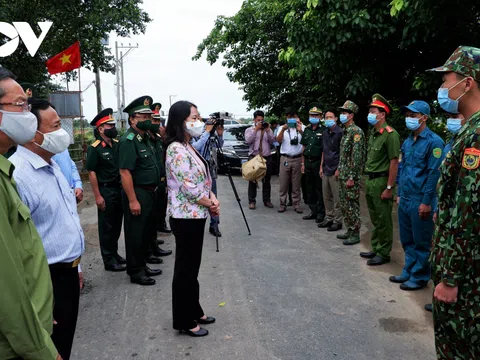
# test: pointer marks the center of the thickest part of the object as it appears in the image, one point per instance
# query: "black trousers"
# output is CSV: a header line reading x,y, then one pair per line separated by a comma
x,y
162,206
110,223
267,188
158,216
313,183
188,256
66,295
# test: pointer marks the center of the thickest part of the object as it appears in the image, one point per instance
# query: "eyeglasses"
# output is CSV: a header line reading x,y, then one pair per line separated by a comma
x,y
25,105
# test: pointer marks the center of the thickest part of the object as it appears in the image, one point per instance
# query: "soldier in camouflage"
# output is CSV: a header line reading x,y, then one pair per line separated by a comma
x,y
352,158
456,241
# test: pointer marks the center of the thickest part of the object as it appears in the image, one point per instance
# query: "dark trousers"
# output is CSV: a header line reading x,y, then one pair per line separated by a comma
x,y
66,294
267,188
110,223
160,200
214,220
162,208
188,256
313,183
138,231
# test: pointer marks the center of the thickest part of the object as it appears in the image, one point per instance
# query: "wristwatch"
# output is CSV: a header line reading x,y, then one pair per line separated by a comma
x,y
389,187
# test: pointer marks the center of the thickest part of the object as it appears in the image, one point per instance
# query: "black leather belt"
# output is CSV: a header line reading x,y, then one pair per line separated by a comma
x,y
69,265
112,184
374,175
292,156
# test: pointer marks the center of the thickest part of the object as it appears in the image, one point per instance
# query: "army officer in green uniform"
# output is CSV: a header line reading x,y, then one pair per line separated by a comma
x,y
140,179
102,166
381,172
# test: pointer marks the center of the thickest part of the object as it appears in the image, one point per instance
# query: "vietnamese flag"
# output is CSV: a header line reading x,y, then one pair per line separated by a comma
x,y
67,60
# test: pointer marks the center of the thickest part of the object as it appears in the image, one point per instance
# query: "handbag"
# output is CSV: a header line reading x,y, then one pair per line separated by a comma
x,y
255,169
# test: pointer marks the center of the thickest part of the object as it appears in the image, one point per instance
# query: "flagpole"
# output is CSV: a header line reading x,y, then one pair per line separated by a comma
x,y
82,125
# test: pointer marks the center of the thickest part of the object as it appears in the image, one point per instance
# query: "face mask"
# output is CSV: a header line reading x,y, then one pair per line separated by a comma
x,y
412,123
343,118
19,126
329,123
111,133
447,104
292,123
314,121
195,128
454,125
154,128
55,142
372,119
144,125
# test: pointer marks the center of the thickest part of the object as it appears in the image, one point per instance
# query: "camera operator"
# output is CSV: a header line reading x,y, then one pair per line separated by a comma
x,y
260,136
199,143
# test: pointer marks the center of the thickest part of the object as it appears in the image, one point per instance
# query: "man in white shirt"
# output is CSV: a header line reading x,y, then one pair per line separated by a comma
x,y
289,137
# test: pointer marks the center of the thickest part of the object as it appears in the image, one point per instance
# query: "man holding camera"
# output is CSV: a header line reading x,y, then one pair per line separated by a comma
x,y
260,137
200,144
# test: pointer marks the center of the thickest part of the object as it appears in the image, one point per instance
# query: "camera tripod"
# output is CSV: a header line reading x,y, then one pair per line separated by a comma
x,y
213,140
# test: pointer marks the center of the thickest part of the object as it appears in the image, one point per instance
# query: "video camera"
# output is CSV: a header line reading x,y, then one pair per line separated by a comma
x,y
218,118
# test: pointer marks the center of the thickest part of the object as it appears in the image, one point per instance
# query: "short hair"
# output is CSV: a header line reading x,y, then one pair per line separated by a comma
x,y
274,122
39,105
258,113
178,113
290,111
333,111
4,75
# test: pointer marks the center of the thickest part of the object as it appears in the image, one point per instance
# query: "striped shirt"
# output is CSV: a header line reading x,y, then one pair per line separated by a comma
x,y
52,203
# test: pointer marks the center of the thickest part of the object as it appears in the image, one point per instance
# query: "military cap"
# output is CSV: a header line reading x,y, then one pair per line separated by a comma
x,y
379,101
464,61
156,110
417,106
315,108
349,106
104,117
28,88
140,105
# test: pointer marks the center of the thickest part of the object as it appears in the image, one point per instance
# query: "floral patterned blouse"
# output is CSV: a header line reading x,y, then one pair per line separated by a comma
x,y
188,180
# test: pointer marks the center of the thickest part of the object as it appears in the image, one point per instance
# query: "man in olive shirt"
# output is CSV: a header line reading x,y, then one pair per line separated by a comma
x,y
381,172
140,179
26,311
102,166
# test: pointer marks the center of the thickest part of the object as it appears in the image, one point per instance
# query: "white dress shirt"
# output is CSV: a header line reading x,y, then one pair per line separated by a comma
x,y
291,150
52,203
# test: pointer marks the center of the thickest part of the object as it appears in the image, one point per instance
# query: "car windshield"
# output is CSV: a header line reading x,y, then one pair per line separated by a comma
x,y
235,133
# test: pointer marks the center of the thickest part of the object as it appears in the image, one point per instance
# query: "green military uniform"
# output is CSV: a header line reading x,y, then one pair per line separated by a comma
x,y
383,146
350,167
455,255
103,160
138,155
312,140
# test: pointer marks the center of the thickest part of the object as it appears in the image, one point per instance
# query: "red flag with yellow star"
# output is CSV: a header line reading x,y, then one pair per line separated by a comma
x,y
67,60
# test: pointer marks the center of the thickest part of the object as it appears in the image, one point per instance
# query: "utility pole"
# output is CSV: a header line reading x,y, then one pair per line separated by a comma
x,y
99,90
123,80
121,83
117,74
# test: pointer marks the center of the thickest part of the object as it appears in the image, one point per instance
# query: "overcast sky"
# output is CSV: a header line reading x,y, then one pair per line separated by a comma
x,y
162,64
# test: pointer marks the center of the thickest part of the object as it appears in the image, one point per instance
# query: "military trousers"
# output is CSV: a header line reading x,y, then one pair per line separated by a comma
x,y
313,184
350,204
158,215
110,223
138,230
415,236
331,199
380,216
161,222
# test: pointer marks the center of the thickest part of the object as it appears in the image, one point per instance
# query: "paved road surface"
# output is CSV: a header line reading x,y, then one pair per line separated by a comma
x,y
291,291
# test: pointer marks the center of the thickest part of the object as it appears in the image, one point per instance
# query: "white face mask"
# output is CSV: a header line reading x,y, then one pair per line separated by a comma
x,y
55,142
19,126
195,129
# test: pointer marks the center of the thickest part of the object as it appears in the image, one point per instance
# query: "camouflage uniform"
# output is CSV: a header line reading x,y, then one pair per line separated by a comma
x,y
352,159
455,255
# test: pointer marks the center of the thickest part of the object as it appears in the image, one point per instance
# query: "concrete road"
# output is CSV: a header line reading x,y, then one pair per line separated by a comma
x,y
291,291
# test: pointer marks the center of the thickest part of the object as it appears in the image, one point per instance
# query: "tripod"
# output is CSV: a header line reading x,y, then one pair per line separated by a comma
x,y
213,140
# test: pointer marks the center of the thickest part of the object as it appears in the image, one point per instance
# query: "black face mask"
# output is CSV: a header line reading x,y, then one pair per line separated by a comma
x,y
111,133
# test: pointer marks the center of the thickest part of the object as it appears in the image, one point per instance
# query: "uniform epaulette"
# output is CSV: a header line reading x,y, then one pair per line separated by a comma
x,y
96,143
115,140
130,136
389,129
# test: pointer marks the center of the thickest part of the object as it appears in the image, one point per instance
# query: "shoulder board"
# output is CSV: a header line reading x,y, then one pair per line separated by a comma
x,y
95,143
130,136
389,129
381,131
115,140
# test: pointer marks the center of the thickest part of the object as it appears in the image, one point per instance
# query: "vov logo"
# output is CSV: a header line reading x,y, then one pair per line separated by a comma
x,y
22,30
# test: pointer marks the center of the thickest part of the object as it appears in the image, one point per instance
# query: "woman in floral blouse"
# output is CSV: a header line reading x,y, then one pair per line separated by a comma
x,y
190,201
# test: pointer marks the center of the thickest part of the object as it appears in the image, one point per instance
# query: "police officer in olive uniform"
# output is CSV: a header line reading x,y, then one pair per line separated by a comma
x,y
140,180
381,172
312,142
102,167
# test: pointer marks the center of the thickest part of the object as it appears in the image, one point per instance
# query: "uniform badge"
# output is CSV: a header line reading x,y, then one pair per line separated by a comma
x,y
130,136
357,138
437,152
139,138
449,155
146,102
471,158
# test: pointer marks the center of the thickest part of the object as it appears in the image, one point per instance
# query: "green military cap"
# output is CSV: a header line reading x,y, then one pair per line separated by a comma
x,y
315,108
349,106
140,105
464,61
104,117
379,101
28,88
156,110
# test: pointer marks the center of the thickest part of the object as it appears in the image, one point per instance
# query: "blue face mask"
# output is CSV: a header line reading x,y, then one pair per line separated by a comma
x,y
314,121
454,125
372,119
447,104
412,123
292,123
343,118
329,123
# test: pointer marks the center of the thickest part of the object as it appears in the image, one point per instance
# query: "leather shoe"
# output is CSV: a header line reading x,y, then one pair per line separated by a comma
x,y
334,227
215,231
199,333
429,307
115,267
161,252
377,260
152,259
310,216
398,279
252,206
268,204
282,209
368,255
160,242
319,220
143,280
152,272
208,320
325,224
411,286
120,259
298,211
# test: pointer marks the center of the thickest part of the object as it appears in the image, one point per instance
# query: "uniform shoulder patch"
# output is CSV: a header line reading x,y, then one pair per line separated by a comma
x,y
130,136
389,129
357,137
95,143
471,159
437,152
